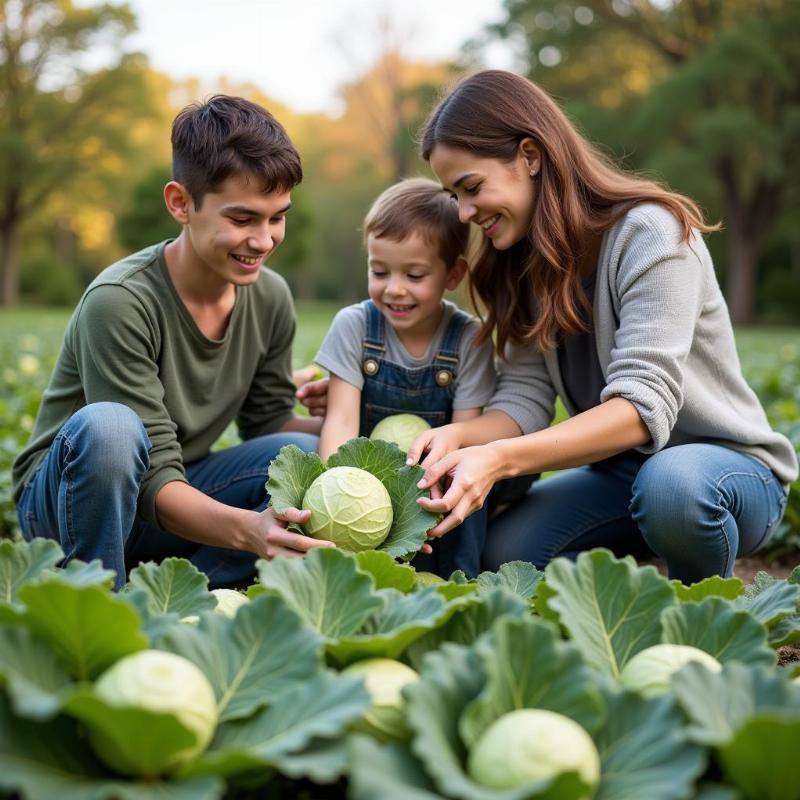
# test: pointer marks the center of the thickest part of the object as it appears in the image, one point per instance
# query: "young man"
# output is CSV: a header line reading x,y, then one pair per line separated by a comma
x,y
165,348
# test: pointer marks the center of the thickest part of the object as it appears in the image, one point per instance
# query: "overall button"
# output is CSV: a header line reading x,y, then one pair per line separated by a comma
x,y
443,377
370,366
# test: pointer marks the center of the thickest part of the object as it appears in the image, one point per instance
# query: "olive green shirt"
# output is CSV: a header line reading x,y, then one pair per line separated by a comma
x,y
132,340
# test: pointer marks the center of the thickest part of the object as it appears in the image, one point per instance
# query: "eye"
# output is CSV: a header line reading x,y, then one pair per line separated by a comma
x,y
376,273
239,220
278,219
472,189
415,277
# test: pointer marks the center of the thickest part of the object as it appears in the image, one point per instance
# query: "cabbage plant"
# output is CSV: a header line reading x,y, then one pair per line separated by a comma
x,y
348,507
229,601
402,429
163,683
532,744
650,671
384,679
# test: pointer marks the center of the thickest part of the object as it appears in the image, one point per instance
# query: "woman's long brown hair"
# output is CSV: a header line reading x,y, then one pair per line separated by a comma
x,y
530,292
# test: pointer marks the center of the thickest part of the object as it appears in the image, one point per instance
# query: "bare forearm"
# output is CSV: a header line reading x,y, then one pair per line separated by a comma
x,y
335,432
298,424
488,427
600,432
190,514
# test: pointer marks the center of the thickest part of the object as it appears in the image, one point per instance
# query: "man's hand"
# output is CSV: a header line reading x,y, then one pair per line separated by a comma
x,y
275,540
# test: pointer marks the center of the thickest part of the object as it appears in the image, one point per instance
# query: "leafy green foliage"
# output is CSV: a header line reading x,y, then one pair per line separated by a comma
x,y
608,606
287,721
292,472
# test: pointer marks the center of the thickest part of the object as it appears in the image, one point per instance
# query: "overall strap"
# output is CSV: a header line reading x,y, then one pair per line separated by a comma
x,y
447,357
373,344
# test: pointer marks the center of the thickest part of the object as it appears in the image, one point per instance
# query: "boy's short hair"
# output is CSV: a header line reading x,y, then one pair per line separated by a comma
x,y
419,205
227,136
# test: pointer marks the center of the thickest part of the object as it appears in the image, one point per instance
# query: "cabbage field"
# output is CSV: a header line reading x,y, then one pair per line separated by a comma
x,y
350,675
340,675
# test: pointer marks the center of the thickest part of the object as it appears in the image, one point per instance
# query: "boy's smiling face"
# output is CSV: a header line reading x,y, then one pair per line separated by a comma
x,y
235,229
407,280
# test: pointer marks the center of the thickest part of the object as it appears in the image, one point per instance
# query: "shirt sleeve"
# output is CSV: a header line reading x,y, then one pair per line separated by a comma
x,y
116,343
341,351
476,376
524,389
660,288
270,399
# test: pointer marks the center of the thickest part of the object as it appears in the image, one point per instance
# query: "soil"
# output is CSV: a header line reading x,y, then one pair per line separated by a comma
x,y
746,568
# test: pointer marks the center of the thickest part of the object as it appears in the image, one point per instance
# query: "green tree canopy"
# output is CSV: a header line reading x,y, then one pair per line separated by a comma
x,y
58,114
704,93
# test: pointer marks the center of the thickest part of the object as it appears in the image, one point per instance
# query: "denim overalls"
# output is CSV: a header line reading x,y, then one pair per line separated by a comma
x,y
428,392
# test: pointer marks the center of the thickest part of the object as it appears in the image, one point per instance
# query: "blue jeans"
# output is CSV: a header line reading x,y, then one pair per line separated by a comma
x,y
84,494
696,506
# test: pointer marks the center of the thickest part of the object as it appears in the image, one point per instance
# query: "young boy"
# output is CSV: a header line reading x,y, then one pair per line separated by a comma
x,y
406,349
165,348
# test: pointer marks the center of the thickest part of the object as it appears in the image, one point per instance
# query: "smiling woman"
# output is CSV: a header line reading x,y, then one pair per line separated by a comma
x,y
599,289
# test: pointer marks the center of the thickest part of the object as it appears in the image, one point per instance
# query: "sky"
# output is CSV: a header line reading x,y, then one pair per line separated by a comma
x,y
299,51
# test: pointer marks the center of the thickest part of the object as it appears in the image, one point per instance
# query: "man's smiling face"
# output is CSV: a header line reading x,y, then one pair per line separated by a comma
x,y
236,229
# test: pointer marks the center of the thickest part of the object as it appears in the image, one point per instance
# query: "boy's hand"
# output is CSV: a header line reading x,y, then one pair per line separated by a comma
x,y
313,394
275,540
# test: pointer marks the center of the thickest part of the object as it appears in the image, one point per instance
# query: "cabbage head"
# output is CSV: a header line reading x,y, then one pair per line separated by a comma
x,y
402,429
649,672
350,507
422,578
384,679
229,601
532,744
164,683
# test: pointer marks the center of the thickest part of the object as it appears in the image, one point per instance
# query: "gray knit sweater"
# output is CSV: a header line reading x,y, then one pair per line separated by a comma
x,y
665,343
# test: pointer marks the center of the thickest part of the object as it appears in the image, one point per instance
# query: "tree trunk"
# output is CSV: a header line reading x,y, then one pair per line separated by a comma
x,y
741,275
748,222
9,267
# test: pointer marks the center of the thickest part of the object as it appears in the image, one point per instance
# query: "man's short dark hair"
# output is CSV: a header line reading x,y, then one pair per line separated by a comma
x,y
228,136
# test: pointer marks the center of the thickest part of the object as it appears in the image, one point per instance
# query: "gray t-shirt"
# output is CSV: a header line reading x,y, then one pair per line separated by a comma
x,y
342,352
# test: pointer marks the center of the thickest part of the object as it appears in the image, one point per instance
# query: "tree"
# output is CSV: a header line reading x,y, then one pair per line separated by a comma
x,y
58,116
145,219
706,93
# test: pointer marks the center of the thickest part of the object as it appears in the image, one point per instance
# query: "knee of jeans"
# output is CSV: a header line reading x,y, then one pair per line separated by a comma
x,y
305,441
668,494
112,435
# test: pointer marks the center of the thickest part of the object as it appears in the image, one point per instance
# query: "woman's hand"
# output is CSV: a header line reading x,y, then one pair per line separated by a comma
x,y
274,540
434,445
469,474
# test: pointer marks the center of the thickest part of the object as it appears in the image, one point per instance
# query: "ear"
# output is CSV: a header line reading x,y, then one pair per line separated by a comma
x,y
456,273
178,202
531,154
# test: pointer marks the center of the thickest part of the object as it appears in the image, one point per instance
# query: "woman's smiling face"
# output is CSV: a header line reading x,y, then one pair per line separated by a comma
x,y
498,196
